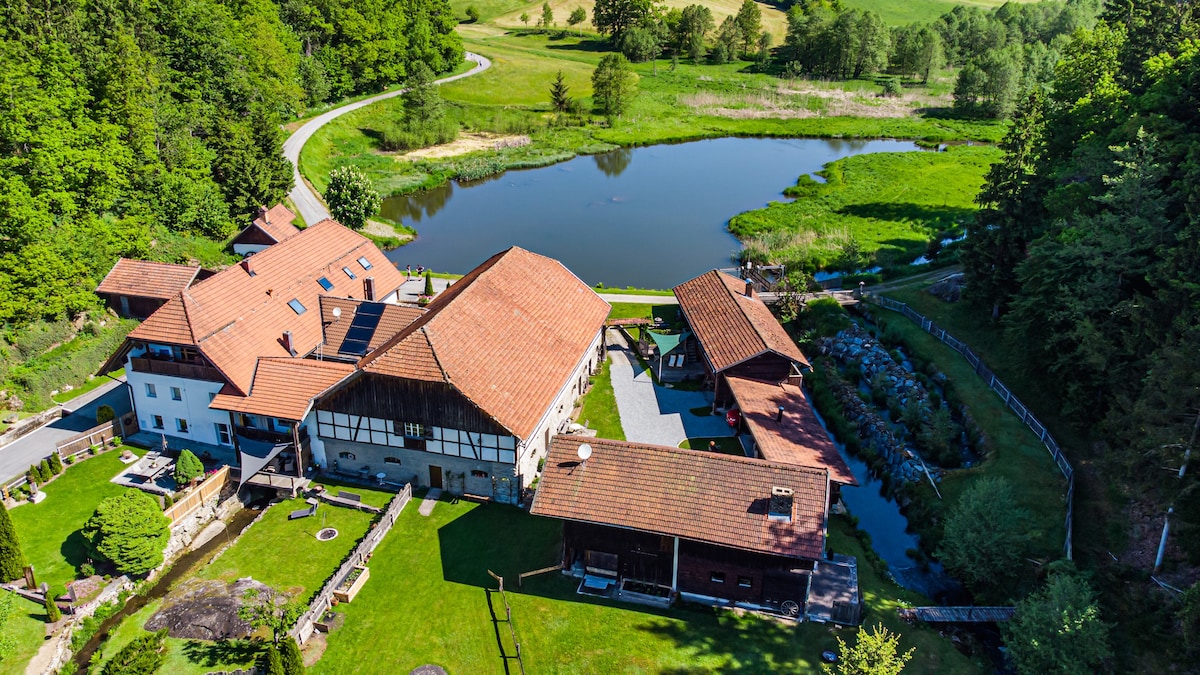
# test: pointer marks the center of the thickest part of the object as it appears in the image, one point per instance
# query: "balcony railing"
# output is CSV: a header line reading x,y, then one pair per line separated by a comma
x,y
265,436
190,371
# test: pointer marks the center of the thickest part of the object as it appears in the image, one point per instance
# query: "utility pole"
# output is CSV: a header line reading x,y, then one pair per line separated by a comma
x,y
1187,451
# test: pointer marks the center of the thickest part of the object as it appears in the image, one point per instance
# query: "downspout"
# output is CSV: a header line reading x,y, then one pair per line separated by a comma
x,y
675,568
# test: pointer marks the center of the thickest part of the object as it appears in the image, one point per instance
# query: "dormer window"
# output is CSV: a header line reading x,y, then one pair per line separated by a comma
x,y
297,306
325,283
366,264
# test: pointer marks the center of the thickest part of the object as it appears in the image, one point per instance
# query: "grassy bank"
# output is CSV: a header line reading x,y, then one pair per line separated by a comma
x,y
45,356
600,406
891,204
688,103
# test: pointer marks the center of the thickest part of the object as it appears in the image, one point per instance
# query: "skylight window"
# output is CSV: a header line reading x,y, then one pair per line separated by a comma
x,y
366,264
297,306
325,283
349,273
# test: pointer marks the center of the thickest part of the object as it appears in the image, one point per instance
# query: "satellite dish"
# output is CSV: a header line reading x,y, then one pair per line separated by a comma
x,y
585,451
337,312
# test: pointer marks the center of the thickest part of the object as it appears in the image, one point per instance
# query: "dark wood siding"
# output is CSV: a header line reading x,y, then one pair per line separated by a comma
x,y
253,235
427,403
769,367
640,555
773,579
139,307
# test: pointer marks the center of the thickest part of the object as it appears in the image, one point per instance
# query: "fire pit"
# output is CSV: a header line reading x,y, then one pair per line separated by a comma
x,y
325,534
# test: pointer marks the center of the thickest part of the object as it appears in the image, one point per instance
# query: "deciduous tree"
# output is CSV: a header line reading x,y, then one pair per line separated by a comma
x,y
614,85
875,652
614,17
578,16
985,535
1058,628
351,197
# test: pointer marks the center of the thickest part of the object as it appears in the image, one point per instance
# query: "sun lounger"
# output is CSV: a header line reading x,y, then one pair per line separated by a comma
x,y
349,496
303,513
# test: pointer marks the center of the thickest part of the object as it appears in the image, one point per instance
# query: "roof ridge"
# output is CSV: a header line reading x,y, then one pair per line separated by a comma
x,y
715,456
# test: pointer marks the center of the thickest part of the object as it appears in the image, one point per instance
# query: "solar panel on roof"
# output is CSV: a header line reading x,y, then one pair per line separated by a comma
x,y
362,329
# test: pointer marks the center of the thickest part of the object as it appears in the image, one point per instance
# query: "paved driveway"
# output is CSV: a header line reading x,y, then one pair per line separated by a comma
x,y
16,457
657,415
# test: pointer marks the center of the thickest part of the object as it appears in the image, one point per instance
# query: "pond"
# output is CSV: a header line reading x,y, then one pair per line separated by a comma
x,y
649,217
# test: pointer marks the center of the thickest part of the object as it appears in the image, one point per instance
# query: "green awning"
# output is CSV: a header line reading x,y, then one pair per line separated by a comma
x,y
667,343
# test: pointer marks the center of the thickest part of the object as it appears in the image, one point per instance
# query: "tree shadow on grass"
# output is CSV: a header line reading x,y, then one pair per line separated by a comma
x,y
221,652
75,549
908,212
589,45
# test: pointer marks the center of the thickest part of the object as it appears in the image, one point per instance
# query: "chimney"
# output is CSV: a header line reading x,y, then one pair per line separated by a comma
x,y
369,288
749,288
287,342
781,504
779,415
248,265
262,214
795,379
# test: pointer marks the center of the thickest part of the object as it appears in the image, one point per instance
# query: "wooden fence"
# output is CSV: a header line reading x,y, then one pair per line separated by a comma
x,y
1014,404
496,621
324,600
97,435
191,501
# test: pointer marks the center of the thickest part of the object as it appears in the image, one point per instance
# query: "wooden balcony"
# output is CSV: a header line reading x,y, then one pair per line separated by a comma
x,y
191,371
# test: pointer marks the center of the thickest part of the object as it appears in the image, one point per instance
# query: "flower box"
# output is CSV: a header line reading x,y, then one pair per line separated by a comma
x,y
352,584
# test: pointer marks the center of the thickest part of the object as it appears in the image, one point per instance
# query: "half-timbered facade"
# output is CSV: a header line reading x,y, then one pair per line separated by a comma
x,y
467,395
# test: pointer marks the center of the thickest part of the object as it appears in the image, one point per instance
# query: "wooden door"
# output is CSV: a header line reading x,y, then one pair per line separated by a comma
x,y
435,476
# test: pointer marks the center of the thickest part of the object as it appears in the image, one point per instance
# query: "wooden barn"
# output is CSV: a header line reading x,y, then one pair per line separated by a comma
x,y
136,288
704,526
736,333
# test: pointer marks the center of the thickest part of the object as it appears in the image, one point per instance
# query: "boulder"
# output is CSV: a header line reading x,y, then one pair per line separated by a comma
x,y
205,610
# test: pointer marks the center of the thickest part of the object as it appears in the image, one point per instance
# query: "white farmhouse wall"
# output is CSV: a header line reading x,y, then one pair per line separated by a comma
x,y
193,406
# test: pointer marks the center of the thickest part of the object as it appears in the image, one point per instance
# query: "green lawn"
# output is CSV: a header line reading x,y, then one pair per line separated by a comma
x,y
726,445
633,291
600,406
285,554
428,582
643,310
27,628
50,531
891,203
1014,453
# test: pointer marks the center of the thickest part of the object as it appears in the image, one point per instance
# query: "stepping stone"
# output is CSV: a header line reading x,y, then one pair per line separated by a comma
x,y
427,504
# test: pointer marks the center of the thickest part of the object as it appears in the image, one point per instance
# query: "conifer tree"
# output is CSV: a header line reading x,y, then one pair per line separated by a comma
x,y
56,464
560,98
12,561
44,470
290,657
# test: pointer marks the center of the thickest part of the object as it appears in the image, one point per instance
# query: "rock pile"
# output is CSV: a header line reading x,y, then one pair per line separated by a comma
x,y
205,610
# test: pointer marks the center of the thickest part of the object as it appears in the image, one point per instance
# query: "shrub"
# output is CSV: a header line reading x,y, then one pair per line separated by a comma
x,y
143,656
187,468
402,136
45,471
891,87
87,569
290,657
168,502
56,465
105,413
12,560
472,14
53,614
130,531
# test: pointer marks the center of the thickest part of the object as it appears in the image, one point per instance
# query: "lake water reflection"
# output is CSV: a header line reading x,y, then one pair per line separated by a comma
x,y
649,217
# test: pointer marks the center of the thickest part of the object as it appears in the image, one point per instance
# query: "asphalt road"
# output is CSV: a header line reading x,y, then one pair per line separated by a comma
x,y
16,457
310,206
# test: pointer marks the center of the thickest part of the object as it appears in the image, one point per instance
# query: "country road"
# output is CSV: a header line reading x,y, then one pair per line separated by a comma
x,y
307,202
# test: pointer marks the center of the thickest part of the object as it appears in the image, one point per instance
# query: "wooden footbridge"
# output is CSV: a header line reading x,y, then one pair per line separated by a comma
x,y
957,614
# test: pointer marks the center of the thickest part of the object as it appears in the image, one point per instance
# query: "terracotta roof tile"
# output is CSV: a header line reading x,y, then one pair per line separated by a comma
x,y
695,495
146,279
278,223
730,326
284,387
799,438
236,317
507,335
392,320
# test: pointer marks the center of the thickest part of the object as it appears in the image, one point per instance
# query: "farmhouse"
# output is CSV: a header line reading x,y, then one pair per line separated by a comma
x,y
655,520
269,228
467,396
136,288
224,359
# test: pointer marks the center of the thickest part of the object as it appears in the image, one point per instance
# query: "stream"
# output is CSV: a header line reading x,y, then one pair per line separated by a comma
x,y
186,564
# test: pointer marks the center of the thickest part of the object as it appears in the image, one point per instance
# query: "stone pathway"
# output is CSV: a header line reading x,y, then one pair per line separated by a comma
x,y
430,500
657,415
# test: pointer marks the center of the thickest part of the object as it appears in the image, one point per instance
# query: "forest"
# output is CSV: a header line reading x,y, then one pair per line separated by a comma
x,y
152,129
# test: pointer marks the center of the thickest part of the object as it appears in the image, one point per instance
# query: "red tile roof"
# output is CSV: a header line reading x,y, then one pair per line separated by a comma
x,y
146,279
284,387
799,438
392,320
278,223
731,327
235,317
507,336
695,495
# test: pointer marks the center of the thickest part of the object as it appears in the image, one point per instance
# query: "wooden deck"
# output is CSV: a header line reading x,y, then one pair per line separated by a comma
x,y
957,614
